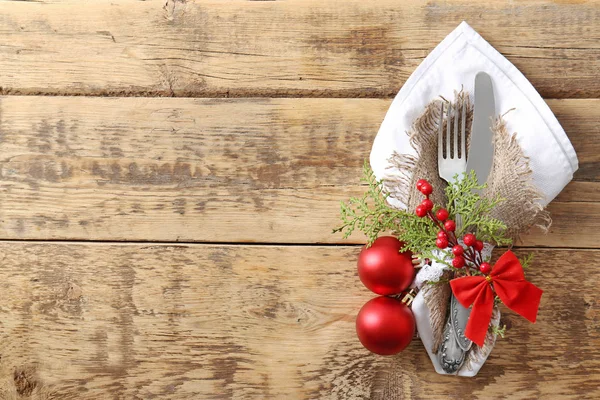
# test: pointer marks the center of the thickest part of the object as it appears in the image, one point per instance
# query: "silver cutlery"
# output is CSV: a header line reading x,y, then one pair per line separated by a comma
x,y
481,149
455,161
451,354
452,163
453,350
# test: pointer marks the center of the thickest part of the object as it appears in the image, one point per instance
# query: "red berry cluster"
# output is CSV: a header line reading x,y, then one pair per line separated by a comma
x,y
446,237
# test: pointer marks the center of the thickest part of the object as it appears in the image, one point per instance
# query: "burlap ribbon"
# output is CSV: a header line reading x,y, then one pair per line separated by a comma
x,y
437,298
510,179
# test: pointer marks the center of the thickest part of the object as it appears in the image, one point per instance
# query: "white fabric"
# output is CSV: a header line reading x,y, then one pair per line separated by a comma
x,y
429,273
452,65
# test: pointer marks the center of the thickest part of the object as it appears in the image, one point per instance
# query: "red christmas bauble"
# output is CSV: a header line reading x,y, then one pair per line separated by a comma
x,y
385,326
383,269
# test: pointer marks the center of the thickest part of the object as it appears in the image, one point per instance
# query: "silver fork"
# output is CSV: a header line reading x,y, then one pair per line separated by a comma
x,y
452,352
452,164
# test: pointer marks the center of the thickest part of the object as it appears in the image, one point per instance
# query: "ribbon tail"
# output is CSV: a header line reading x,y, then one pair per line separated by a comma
x,y
481,314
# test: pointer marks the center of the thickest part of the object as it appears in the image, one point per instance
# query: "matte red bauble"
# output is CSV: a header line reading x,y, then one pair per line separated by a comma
x,y
385,326
383,269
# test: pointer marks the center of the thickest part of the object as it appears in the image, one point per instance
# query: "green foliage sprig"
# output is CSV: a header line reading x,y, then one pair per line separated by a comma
x,y
526,260
372,215
464,199
499,331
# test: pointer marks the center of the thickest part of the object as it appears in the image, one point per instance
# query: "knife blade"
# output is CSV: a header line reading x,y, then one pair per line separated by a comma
x,y
481,150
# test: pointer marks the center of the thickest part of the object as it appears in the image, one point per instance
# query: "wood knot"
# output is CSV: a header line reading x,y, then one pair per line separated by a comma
x,y
74,292
25,380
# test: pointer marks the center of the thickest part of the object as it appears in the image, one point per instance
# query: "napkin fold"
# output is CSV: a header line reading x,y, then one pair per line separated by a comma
x,y
452,66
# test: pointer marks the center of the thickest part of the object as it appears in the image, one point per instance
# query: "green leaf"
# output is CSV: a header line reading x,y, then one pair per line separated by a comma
x,y
500,331
526,261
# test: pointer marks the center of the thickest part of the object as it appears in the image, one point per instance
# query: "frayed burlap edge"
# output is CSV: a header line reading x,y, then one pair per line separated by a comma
x,y
437,298
511,179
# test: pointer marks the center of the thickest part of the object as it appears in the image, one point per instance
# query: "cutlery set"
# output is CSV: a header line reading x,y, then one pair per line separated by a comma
x,y
453,162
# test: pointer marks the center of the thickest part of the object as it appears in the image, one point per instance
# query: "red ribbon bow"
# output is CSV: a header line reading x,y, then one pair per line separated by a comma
x,y
509,284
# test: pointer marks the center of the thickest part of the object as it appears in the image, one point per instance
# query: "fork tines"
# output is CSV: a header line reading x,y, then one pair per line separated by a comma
x,y
452,157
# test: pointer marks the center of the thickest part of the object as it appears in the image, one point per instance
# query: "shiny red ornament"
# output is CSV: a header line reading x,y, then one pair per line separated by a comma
x,y
383,269
385,326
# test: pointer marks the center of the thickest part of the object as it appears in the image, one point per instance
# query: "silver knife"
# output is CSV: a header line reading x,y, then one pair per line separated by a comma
x,y
479,159
481,149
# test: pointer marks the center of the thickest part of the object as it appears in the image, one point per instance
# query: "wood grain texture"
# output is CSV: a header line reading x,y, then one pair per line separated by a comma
x,y
225,170
82,320
214,48
99,321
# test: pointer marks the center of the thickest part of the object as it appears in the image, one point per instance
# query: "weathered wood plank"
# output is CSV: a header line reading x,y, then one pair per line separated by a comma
x,y
230,170
98,321
213,48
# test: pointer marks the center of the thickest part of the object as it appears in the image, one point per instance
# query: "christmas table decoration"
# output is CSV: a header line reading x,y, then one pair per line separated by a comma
x,y
452,228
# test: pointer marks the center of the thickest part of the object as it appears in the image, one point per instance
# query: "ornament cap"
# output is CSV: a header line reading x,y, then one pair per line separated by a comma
x,y
409,296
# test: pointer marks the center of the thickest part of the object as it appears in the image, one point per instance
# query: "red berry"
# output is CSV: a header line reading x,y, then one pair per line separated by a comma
x,y
450,225
469,239
420,183
426,188
442,214
442,235
485,268
428,204
458,250
421,211
478,245
458,262
441,243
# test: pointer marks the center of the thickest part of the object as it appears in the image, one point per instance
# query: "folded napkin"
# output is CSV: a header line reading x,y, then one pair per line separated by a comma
x,y
452,66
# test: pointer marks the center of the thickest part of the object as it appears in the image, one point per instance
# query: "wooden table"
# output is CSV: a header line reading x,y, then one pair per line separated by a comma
x,y
170,174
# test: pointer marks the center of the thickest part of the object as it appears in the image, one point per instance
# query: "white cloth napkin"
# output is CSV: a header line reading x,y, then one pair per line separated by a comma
x,y
452,65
